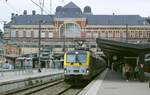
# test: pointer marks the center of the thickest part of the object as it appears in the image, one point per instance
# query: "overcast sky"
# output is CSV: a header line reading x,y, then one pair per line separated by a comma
x,y
119,7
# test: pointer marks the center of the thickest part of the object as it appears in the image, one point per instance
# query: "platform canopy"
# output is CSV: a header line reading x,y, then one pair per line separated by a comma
x,y
113,47
120,52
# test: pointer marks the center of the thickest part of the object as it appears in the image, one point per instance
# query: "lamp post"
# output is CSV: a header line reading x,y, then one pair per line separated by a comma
x,y
39,45
64,37
40,21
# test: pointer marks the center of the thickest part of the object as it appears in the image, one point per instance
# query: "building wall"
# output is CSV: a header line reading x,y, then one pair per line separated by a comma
x,y
29,50
86,31
123,32
2,59
29,31
11,49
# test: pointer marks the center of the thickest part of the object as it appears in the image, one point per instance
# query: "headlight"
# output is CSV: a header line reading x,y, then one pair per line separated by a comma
x,y
76,53
65,70
87,71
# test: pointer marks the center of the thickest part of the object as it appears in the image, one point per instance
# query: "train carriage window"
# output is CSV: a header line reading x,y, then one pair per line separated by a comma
x,y
71,58
82,58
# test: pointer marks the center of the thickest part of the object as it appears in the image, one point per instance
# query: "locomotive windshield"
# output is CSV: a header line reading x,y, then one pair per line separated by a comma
x,y
71,58
81,58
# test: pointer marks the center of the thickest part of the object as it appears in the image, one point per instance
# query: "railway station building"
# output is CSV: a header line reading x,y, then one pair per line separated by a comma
x,y
70,23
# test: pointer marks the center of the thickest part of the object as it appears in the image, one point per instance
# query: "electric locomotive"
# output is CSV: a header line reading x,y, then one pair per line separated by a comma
x,y
82,65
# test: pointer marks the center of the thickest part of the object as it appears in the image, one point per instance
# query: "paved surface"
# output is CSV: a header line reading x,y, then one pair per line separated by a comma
x,y
28,74
112,83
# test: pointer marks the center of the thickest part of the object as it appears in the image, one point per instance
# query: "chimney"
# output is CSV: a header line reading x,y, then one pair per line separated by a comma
x,y
33,12
25,12
16,15
12,16
113,14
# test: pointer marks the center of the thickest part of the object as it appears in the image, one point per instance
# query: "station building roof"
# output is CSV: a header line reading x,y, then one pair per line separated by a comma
x,y
73,11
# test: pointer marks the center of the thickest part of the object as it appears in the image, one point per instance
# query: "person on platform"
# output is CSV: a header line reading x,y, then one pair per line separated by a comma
x,y
136,71
123,70
127,72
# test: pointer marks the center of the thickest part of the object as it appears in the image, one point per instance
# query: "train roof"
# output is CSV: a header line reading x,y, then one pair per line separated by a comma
x,y
75,51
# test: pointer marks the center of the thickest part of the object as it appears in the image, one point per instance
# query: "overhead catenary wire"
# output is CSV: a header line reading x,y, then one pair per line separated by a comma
x,y
40,5
50,6
11,8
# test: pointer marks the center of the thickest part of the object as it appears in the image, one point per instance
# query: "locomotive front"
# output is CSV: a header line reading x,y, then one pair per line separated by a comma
x,y
76,64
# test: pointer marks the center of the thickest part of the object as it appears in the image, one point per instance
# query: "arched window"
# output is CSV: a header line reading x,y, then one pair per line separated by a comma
x,y
70,30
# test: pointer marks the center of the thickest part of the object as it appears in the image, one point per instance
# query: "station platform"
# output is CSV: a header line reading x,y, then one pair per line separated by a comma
x,y
112,83
14,79
7,76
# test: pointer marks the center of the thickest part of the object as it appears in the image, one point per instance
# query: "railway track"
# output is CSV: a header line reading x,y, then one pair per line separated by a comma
x,y
58,87
32,89
71,91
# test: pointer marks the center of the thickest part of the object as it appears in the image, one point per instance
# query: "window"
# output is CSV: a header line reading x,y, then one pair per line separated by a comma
x,y
50,34
24,33
43,34
70,30
14,33
110,34
82,58
17,34
140,34
32,34
28,34
132,34
71,58
148,33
